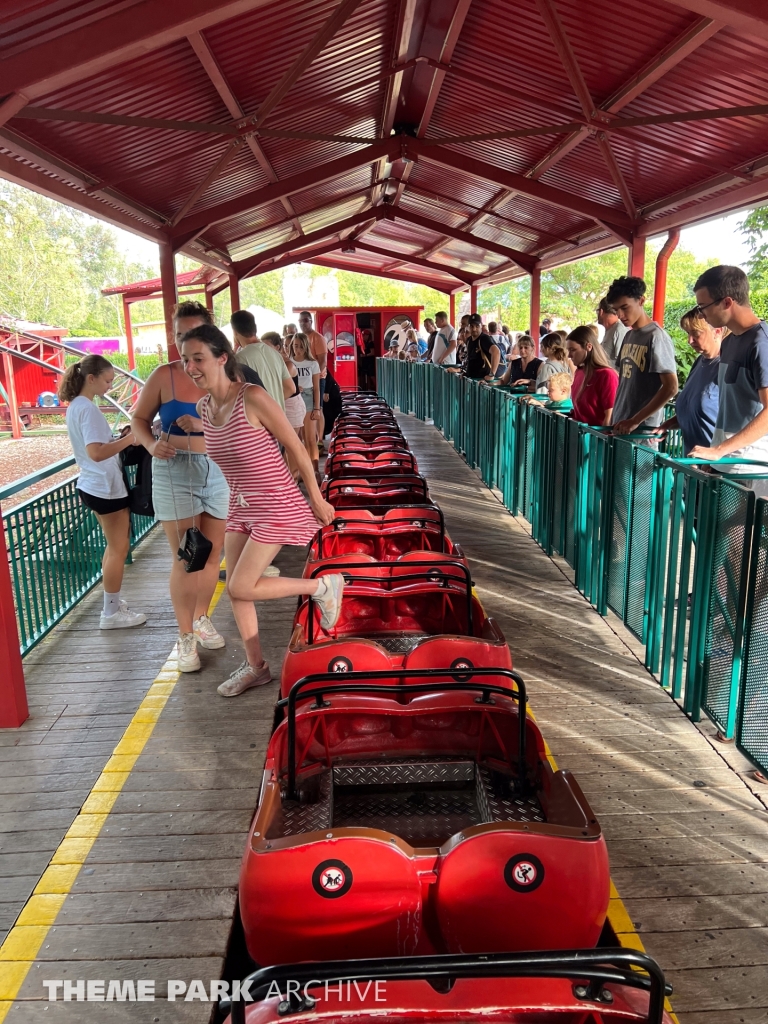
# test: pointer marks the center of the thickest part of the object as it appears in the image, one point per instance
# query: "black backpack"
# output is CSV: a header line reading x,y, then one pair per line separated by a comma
x,y
139,493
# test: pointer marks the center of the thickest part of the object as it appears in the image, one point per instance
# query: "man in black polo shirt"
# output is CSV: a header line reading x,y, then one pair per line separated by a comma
x,y
482,355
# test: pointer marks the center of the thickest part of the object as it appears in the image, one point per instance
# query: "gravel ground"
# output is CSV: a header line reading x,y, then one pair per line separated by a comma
x,y
19,458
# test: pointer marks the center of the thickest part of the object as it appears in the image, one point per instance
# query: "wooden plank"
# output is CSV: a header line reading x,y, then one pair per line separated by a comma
x,y
136,941
135,850
135,907
706,879
193,800
699,913
204,779
183,823
711,948
158,969
144,877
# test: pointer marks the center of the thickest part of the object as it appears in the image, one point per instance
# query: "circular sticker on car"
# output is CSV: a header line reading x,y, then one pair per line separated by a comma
x,y
332,878
462,663
524,873
339,665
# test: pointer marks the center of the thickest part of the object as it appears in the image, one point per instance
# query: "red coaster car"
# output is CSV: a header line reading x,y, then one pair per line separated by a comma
x,y
360,492
604,986
365,463
366,434
384,534
354,444
387,828
414,613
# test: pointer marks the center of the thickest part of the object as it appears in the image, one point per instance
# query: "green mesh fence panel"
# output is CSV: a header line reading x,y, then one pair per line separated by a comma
x,y
559,485
639,531
55,546
571,491
752,729
727,604
623,462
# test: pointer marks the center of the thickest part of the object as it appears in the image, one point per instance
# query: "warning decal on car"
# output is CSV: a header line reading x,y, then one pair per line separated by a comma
x,y
524,873
332,878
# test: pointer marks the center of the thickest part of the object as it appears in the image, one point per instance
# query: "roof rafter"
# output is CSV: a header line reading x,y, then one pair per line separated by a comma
x,y
197,222
523,259
130,32
247,266
742,15
416,261
415,278
519,183
205,55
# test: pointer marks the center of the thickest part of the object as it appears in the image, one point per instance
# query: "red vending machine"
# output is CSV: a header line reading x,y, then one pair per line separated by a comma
x,y
356,336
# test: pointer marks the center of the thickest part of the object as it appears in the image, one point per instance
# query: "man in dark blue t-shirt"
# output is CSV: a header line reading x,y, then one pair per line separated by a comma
x,y
722,294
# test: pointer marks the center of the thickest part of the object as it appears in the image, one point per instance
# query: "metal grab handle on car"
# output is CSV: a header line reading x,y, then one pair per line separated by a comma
x,y
596,967
456,671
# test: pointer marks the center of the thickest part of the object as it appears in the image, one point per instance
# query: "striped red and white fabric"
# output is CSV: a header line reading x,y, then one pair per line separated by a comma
x,y
264,501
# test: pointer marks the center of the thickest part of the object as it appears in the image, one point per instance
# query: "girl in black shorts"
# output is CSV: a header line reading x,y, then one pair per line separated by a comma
x,y
101,485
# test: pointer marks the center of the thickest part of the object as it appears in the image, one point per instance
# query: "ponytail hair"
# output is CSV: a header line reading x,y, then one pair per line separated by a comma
x,y
219,345
555,345
73,381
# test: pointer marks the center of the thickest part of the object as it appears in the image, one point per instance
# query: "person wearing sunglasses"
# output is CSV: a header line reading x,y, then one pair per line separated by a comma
x,y
741,430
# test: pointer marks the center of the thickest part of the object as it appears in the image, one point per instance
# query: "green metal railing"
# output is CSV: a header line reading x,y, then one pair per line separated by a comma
x,y
55,546
678,552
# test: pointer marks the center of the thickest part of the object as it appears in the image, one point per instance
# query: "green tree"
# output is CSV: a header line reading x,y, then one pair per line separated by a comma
x,y
754,228
54,261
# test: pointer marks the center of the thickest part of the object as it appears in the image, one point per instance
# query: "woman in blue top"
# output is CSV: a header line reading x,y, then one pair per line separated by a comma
x,y
187,488
697,403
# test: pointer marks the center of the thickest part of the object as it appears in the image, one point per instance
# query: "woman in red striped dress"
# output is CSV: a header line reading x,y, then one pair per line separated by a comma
x,y
244,429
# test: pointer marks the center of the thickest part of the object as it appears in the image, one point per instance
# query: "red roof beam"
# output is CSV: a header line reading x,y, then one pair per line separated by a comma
x,y
302,256
245,267
131,31
523,259
205,55
197,222
397,275
745,16
519,183
342,13
747,195
416,261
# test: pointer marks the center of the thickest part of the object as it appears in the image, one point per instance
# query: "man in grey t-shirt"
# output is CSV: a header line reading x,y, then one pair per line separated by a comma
x,y
444,349
647,369
615,330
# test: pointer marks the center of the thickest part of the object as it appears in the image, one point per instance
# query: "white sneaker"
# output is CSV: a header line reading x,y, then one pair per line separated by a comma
x,y
207,635
123,618
187,657
271,570
328,599
244,678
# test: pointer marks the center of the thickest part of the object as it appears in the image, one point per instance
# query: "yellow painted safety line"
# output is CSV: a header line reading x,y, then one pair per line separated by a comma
x,y
25,939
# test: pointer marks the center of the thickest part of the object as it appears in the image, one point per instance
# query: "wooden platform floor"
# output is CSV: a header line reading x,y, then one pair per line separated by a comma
x,y
687,837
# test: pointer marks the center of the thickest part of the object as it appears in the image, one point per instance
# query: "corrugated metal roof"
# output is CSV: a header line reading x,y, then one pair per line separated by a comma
x,y
504,76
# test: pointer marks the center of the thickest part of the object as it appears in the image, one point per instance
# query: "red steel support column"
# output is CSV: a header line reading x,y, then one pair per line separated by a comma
x,y
452,313
13,695
129,333
660,281
170,296
11,389
234,292
535,306
473,293
636,265
209,300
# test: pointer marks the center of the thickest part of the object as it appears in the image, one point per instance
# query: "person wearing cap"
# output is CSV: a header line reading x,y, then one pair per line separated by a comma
x,y
545,327
483,356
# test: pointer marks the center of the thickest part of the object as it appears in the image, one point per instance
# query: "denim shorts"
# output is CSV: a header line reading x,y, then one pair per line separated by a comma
x,y
173,479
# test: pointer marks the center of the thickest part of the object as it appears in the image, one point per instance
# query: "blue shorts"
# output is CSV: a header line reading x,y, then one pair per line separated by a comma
x,y
173,479
322,392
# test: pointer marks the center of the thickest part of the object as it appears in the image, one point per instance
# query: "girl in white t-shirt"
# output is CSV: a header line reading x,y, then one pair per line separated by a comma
x,y
309,385
101,485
